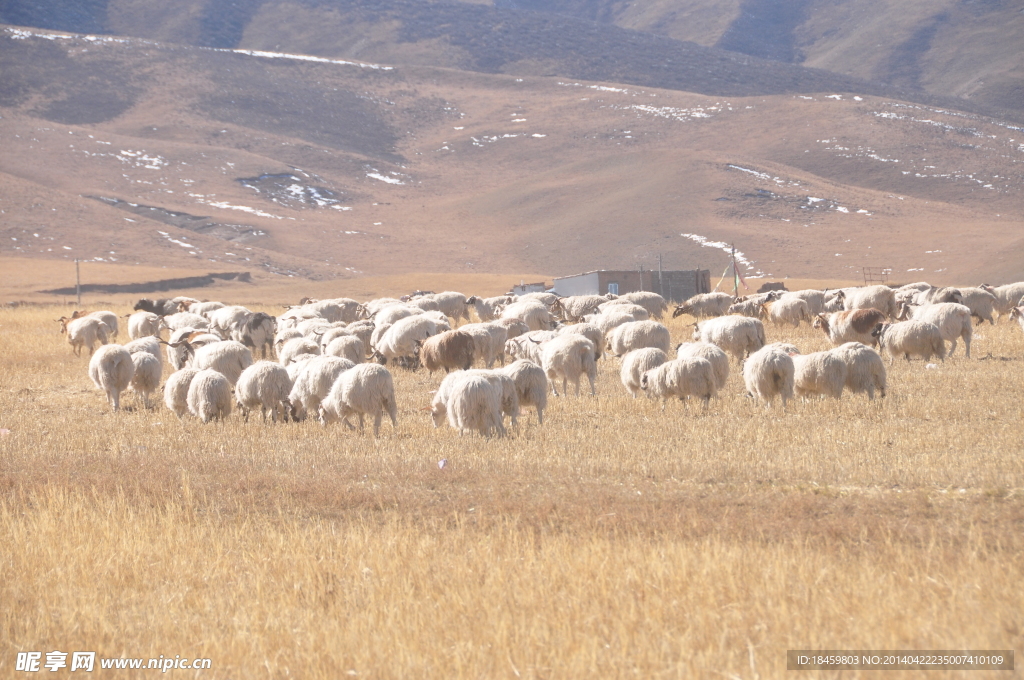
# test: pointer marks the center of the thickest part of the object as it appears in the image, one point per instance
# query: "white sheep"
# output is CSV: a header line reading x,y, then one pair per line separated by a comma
x,y
514,327
107,317
589,331
227,357
815,299
638,334
147,344
143,324
789,311
607,321
337,309
488,341
916,337
452,305
655,304
621,306
688,377
296,347
531,385
882,298
173,322
473,402
488,309
752,308
736,335
713,353
705,305
1007,297
366,389
981,302
850,326
84,332
312,382
176,390
209,396
953,320
371,308
264,385
636,363
204,308
547,299
526,348
569,357
392,313
1017,314
769,372
425,302
400,341
347,347
865,370
227,321
111,370
146,377
574,307
534,314
819,374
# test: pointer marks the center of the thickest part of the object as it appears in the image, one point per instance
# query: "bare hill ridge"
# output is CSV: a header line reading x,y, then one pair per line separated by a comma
x,y
325,169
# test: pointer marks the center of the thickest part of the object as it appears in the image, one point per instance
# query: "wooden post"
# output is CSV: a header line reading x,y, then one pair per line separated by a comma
x,y
735,273
661,281
78,284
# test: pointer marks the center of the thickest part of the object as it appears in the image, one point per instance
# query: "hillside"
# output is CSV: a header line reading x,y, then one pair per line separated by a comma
x,y
217,160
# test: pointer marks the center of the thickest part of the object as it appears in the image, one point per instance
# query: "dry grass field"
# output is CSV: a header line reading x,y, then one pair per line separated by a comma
x,y
616,540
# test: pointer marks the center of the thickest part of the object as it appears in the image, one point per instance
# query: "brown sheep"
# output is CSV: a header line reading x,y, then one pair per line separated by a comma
x,y
448,350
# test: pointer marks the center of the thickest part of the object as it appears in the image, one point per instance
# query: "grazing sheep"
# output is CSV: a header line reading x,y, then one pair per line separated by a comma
x,y
143,324
574,307
401,340
636,363
173,322
526,348
294,316
789,310
769,372
362,330
470,411
705,305
736,335
689,377
448,350
176,390
819,374
850,326
815,299
209,396
227,357
865,370
371,308
621,306
933,295
146,377
84,332
425,302
1007,297
514,327
488,341
264,385
107,317
608,321
111,370
531,385
337,309
569,357
313,382
147,344
204,308
713,353
981,302
161,307
1017,313
882,298
388,315
534,314
547,299
366,389
638,334
915,337
228,321
748,307
472,402
655,304
257,333
453,305
589,331
347,347
488,309
953,320
295,347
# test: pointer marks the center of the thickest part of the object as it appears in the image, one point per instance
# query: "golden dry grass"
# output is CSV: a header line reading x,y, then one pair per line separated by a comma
x,y
616,540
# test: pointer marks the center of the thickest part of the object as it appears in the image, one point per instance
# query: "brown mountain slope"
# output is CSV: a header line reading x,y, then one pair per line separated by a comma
x,y
229,161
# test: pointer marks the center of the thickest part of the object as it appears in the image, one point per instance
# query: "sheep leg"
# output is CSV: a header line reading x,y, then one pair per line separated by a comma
x,y
540,416
376,422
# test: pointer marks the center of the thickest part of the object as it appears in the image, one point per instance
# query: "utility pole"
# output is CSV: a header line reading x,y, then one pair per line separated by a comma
x,y
735,273
661,281
78,284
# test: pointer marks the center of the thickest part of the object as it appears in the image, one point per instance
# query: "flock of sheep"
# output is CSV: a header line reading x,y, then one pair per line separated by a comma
x,y
331,355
